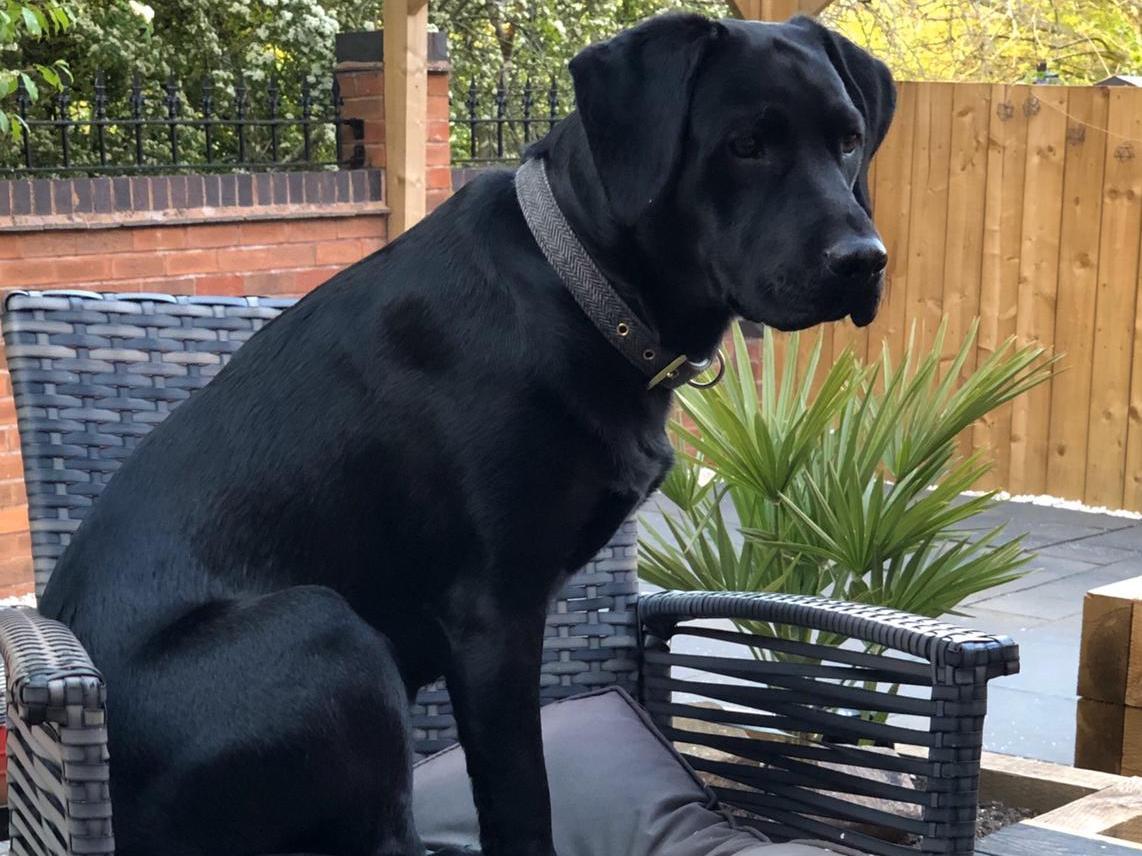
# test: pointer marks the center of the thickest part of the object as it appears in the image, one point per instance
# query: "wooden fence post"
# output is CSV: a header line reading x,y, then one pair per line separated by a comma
x,y
406,110
778,10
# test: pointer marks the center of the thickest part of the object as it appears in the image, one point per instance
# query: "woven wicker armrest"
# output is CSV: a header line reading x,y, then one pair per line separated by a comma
x,y
58,776
941,644
873,743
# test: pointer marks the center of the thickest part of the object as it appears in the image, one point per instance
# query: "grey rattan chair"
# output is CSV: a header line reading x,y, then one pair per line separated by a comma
x,y
93,373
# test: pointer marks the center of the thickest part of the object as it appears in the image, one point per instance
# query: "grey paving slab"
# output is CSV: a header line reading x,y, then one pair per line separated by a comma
x,y
1037,535
1048,661
1040,571
1031,725
1047,602
1027,512
1088,551
1000,623
1129,538
1043,567
1077,585
1053,596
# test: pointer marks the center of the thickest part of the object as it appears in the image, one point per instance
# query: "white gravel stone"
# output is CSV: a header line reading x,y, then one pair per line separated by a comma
x,y
1055,502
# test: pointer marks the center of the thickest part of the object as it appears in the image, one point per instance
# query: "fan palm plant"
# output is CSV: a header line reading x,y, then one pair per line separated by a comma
x,y
854,491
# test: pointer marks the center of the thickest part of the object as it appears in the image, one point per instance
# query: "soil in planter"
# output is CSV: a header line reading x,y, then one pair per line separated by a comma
x,y
993,816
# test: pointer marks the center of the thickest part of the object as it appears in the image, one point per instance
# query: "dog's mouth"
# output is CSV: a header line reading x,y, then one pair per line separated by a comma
x,y
830,301
865,313
788,319
866,302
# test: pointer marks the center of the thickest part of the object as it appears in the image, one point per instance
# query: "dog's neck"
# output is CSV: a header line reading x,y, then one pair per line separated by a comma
x,y
660,280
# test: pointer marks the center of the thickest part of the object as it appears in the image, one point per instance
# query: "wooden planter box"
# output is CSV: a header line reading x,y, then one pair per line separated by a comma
x,y
1109,731
1075,808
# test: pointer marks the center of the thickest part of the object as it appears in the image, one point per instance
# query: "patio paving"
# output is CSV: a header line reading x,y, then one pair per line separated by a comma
x,y
1032,714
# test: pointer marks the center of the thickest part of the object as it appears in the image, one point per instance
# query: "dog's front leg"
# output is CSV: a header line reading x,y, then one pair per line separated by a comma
x,y
494,684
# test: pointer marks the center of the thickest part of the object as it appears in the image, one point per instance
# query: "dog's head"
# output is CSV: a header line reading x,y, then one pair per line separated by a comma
x,y
758,138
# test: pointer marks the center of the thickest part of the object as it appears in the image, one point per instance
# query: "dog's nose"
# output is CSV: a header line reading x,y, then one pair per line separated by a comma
x,y
856,258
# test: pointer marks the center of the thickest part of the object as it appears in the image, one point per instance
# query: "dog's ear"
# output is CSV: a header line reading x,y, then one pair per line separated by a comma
x,y
870,86
633,96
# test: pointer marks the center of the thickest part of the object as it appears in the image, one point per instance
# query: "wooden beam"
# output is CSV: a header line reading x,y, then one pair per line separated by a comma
x,y
1116,809
813,7
1110,655
406,111
777,10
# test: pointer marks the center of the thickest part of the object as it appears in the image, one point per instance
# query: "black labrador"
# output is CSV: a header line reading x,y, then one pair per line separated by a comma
x,y
389,482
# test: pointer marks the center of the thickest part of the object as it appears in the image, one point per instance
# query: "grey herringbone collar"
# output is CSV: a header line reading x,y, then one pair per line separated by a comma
x,y
582,277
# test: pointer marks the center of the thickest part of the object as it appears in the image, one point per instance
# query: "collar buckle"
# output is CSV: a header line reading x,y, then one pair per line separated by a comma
x,y
669,371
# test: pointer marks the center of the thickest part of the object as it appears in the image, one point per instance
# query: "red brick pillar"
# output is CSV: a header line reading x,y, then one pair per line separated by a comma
x,y
360,71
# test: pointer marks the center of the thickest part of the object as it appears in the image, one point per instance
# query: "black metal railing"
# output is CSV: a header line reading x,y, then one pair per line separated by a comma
x,y
161,128
490,126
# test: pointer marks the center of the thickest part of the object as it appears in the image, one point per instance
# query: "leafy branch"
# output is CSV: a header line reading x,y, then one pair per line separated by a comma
x,y
20,22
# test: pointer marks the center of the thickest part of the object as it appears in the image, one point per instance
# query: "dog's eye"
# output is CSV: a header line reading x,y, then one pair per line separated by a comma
x,y
849,143
747,146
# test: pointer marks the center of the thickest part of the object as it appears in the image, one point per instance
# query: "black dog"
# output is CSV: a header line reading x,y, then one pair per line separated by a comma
x,y
389,481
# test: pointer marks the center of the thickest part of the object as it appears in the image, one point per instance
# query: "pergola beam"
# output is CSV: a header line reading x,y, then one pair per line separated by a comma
x,y
777,10
406,111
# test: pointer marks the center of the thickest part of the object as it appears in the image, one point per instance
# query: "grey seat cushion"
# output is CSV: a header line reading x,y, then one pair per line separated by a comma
x,y
618,788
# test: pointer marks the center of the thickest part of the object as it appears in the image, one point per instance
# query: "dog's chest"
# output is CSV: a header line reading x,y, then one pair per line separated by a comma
x,y
637,466
643,462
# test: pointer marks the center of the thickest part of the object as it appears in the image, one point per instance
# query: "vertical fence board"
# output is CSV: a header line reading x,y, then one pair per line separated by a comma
x,y
1125,150
1078,284
893,208
1132,497
967,195
1003,223
1045,110
1114,311
928,228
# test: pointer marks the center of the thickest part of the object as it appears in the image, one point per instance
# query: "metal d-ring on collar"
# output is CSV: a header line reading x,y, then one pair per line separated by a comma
x,y
582,277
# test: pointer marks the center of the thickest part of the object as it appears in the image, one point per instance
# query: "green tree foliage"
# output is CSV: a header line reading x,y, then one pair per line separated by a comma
x,y
512,38
509,41
220,44
189,39
989,40
1003,41
21,24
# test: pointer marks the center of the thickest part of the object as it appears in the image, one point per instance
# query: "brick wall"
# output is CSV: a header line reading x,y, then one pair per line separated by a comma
x,y
360,72
264,234
229,234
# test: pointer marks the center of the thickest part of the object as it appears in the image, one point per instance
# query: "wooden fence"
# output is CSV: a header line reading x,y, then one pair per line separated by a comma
x,y
1022,205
